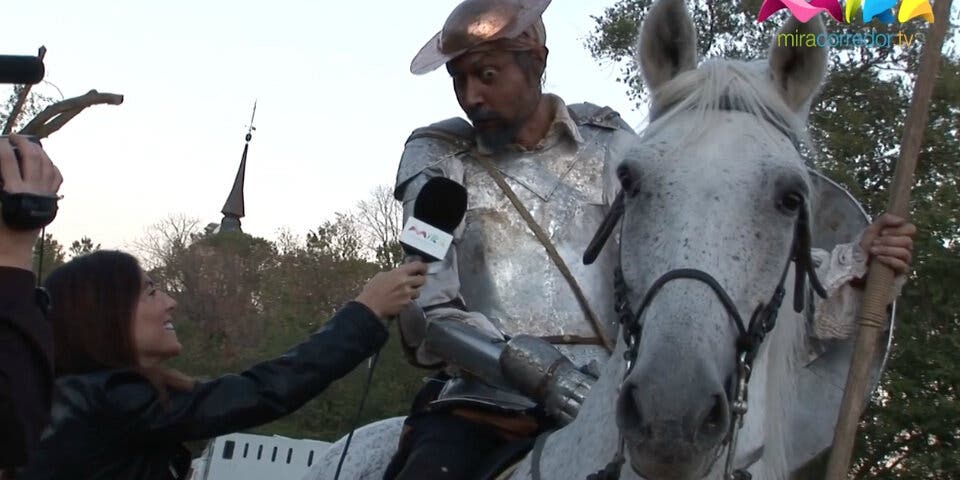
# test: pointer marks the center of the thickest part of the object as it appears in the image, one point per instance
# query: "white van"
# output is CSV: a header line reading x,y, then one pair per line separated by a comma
x,y
243,456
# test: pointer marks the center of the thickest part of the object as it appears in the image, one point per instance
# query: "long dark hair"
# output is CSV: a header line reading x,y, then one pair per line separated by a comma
x,y
94,299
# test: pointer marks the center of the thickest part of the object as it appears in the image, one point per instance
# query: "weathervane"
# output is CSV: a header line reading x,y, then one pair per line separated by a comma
x,y
251,128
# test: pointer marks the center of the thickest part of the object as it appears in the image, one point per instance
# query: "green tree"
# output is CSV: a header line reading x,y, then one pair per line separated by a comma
x,y
83,247
910,429
389,255
338,239
47,255
34,104
222,279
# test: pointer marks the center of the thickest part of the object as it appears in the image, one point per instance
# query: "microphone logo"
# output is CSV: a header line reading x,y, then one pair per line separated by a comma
x,y
426,238
432,238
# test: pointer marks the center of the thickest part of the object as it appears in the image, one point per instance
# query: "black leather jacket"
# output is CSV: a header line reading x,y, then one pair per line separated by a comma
x,y
111,424
26,367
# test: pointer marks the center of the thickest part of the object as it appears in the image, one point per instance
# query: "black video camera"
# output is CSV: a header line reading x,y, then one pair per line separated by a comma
x,y
24,211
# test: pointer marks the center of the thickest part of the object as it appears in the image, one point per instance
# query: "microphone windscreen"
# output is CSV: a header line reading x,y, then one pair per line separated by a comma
x,y
21,70
441,203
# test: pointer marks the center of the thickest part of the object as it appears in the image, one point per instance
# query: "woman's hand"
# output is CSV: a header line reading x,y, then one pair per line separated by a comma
x,y
388,293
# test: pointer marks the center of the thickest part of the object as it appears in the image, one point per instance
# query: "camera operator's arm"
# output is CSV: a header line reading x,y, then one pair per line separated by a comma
x,y
26,340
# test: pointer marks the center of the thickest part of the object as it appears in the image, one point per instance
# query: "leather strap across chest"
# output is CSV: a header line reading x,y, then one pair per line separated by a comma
x,y
544,240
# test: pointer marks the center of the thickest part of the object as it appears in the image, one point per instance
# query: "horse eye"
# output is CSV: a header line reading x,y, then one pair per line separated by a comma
x,y
627,182
790,203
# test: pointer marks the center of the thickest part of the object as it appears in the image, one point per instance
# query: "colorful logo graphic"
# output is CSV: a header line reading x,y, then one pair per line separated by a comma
x,y
432,238
881,10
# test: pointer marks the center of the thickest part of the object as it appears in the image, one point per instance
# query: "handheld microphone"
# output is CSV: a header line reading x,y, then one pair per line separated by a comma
x,y
437,211
18,69
426,236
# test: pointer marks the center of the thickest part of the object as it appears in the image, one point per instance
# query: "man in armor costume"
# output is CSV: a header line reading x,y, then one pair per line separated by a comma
x,y
517,321
499,293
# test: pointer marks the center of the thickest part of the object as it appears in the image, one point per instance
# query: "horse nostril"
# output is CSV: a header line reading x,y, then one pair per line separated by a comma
x,y
715,420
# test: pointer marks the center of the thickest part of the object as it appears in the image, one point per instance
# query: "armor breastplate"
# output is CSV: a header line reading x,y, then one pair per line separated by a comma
x,y
505,271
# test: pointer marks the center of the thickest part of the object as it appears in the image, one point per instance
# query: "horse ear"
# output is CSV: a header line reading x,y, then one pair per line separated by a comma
x,y
797,63
668,42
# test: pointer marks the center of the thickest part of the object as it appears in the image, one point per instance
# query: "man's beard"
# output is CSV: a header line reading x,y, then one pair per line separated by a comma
x,y
497,132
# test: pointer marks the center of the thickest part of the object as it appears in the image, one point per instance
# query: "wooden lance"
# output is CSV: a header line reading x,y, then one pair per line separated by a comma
x,y
872,320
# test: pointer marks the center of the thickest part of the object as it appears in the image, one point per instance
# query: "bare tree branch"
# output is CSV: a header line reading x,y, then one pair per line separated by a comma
x,y
164,240
57,115
380,217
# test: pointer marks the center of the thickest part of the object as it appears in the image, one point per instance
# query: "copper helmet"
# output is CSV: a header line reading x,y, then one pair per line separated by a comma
x,y
477,22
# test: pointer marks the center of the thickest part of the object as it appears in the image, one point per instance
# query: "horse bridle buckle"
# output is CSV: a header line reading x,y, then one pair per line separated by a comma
x,y
739,406
739,409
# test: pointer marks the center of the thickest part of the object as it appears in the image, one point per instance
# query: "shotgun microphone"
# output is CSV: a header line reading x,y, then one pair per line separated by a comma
x,y
21,70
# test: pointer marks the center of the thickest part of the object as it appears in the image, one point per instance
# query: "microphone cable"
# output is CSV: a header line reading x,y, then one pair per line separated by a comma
x,y
356,419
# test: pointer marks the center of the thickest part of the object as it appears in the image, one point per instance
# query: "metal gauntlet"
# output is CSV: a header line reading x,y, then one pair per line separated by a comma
x,y
538,369
529,364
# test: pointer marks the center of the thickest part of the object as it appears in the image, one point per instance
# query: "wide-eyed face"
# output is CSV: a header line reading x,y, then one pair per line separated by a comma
x,y
154,336
498,90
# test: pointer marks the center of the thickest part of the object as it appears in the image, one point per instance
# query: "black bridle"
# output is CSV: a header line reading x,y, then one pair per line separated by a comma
x,y
750,335
764,317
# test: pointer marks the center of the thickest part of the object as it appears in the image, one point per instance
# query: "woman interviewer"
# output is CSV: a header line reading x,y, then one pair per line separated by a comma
x,y
119,413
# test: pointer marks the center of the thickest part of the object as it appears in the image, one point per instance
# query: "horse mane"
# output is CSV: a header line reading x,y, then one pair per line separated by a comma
x,y
786,352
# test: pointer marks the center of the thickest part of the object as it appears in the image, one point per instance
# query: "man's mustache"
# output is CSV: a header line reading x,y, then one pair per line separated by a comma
x,y
484,115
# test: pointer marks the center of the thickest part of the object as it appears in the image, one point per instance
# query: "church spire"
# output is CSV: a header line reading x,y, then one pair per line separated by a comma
x,y
233,208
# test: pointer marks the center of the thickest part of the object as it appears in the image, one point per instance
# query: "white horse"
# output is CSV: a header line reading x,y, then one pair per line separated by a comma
x,y
715,183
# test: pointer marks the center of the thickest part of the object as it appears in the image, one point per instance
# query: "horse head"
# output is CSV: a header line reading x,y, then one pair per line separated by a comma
x,y
715,208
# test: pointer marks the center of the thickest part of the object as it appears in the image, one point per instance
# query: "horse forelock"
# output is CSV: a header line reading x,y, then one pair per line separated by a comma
x,y
721,84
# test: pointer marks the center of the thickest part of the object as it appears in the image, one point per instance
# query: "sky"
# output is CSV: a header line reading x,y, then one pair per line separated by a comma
x,y
335,103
